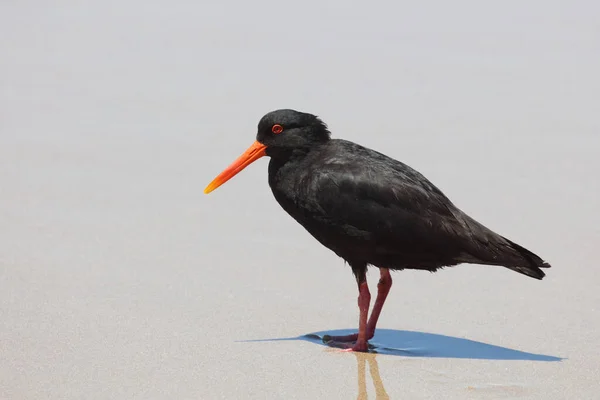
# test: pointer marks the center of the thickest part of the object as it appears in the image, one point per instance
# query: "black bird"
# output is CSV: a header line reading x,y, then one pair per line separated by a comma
x,y
370,210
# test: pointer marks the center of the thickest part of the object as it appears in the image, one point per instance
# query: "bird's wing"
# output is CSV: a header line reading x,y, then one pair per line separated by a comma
x,y
383,198
398,211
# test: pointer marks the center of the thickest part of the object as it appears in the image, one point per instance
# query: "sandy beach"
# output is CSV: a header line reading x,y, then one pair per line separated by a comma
x,y
120,279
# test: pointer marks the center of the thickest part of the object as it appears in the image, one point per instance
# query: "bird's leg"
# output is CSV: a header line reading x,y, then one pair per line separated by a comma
x,y
383,288
364,299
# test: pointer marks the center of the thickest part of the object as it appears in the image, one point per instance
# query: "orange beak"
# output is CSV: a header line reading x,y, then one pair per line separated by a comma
x,y
254,152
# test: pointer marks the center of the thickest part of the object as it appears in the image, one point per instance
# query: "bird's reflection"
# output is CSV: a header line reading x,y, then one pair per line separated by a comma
x,y
362,359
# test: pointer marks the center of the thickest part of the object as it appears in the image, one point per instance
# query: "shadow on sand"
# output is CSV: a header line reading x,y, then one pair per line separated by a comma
x,y
422,344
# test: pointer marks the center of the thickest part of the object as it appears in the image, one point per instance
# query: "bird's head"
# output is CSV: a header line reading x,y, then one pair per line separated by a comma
x,y
280,133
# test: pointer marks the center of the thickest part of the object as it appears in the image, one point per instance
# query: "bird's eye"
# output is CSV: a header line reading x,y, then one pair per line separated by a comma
x,y
276,129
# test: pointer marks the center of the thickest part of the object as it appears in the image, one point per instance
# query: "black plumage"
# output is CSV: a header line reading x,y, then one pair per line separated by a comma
x,y
371,209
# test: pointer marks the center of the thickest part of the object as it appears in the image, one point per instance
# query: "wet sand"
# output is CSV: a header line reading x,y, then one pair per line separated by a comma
x,y
120,279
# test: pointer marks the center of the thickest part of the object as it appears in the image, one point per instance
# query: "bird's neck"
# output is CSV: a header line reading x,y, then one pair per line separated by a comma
x,y
283,155
286,160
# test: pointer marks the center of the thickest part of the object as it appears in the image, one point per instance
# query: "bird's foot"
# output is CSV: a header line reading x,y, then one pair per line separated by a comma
x,y
347,343
362,347
343,339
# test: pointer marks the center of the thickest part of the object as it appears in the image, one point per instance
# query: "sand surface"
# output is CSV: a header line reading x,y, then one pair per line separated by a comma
x,y
120,279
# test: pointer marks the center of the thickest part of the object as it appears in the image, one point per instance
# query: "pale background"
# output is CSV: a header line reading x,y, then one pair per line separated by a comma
x,y
120,279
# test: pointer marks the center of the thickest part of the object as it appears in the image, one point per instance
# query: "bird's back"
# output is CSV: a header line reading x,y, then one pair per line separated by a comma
x,y
370,208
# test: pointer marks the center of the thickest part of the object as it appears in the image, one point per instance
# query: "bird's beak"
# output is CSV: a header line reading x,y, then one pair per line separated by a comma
x,y
254,152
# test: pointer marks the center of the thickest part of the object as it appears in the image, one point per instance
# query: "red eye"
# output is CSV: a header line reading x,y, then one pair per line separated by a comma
x,y
277,129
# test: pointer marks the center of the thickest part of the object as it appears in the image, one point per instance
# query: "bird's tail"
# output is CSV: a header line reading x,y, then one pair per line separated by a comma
x,y
488,247
532,267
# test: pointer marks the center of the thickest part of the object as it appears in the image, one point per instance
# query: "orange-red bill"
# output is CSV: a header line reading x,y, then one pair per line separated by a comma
x,y
254,152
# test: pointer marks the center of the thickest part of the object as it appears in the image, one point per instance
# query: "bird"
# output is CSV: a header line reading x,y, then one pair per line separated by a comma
x,y
369,209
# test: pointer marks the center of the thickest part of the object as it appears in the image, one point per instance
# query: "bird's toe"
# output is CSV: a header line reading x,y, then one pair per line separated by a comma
x,y
343,339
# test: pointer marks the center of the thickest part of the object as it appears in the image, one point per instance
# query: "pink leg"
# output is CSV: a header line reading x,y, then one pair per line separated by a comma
x,y
364,299
383,288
